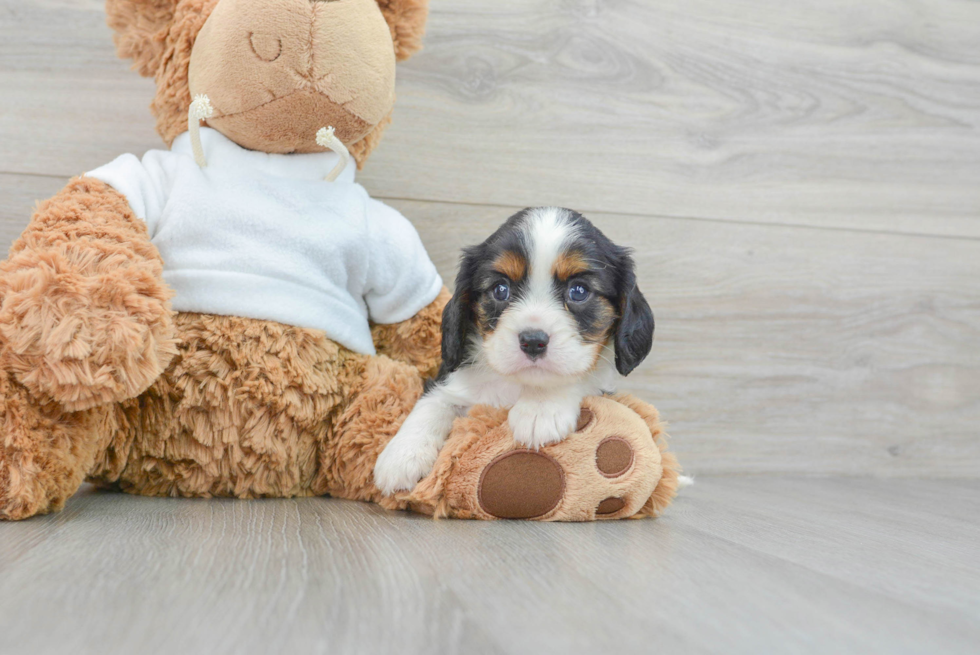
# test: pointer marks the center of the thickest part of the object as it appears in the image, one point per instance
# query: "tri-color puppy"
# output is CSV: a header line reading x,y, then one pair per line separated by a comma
x,y
546,311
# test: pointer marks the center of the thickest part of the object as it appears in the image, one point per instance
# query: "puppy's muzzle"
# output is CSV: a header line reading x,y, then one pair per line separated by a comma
x,y
534,343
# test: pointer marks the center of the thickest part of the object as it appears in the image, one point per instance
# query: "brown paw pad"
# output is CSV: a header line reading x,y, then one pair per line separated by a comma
x,y
521,484
614,457
610,506
584,419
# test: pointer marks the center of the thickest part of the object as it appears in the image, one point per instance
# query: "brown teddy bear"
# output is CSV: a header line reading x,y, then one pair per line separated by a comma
x,y
216,320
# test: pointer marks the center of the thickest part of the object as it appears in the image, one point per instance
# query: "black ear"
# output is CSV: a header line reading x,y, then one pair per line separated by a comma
x,y
634,334
454,323
457,317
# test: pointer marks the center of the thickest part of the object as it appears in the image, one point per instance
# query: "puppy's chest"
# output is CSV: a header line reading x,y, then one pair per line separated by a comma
x,y
473,387
500,392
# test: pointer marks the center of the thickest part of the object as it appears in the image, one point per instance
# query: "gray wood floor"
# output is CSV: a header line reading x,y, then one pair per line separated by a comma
x,y
738,565
801,181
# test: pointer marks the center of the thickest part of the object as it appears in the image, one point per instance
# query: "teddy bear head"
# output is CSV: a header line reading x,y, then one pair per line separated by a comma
x,y
276,71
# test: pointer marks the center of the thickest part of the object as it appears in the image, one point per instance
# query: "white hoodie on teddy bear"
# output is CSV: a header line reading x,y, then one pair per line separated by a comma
x,y
264,236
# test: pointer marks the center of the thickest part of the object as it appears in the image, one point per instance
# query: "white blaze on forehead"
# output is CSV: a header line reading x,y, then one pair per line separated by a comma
x,y
548,231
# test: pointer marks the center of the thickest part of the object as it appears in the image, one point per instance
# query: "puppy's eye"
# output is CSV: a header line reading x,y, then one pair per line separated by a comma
x,y
501,292
578,293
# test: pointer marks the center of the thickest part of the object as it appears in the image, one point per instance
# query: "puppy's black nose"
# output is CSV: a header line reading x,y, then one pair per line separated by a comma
x,y
533,342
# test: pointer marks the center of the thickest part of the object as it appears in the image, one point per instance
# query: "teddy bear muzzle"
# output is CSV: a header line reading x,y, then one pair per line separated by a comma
x,y
276,71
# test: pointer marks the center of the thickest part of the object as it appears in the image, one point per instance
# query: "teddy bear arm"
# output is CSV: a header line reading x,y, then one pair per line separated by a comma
x,y
85,315
615,465
417,341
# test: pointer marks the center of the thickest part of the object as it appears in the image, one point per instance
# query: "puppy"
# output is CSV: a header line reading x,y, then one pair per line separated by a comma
x,y
546,311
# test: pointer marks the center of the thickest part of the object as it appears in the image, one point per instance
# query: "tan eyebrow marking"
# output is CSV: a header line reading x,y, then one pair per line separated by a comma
x,y
569,264
511,264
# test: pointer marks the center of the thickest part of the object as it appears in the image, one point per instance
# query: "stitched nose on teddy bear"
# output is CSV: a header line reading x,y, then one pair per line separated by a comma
x,y
276,71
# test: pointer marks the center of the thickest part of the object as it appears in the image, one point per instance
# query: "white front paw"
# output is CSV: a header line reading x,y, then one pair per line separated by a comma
x,y
411,454
403,462
539,423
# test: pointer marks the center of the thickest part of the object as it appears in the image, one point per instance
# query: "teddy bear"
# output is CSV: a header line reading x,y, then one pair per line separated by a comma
x,y
235,316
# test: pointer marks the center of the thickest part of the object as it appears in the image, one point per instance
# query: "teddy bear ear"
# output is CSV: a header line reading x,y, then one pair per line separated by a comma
x,y
406,18
141,28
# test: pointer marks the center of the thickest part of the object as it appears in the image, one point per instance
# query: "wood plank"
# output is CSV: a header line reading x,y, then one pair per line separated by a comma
x,y
68,104
737,566
805,112
778,349
928,550
816,113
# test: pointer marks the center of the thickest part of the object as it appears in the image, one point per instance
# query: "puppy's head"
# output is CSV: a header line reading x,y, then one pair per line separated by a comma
x,y
542,298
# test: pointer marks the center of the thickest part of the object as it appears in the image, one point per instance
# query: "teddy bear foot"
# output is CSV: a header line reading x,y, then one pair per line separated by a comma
x,y
45,452
615,465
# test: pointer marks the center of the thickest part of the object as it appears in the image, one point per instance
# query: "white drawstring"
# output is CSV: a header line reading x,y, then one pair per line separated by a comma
x,y
325,138
200,110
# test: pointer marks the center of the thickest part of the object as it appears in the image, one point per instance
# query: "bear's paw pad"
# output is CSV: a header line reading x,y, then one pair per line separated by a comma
x,y
521,484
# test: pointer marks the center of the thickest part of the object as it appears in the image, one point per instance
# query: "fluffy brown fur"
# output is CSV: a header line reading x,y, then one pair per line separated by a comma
x,y
383,394
666,489
407,21
244,410
417,341
85,318
141,28
44,451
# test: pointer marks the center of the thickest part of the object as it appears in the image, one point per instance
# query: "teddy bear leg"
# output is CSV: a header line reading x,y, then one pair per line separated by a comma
x,y
615,465
383,394
417,341
45,451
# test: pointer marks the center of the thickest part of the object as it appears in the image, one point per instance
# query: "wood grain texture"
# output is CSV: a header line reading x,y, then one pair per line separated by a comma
x,y
862,115
778,349
67,103
738,565
823,113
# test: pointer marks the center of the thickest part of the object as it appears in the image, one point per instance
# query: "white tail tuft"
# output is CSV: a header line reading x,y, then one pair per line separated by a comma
x,y
326,138
684,481
200,110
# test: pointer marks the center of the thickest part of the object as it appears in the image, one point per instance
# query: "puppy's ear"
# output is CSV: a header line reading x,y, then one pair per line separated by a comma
x,y
457,317
454,322
634,333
